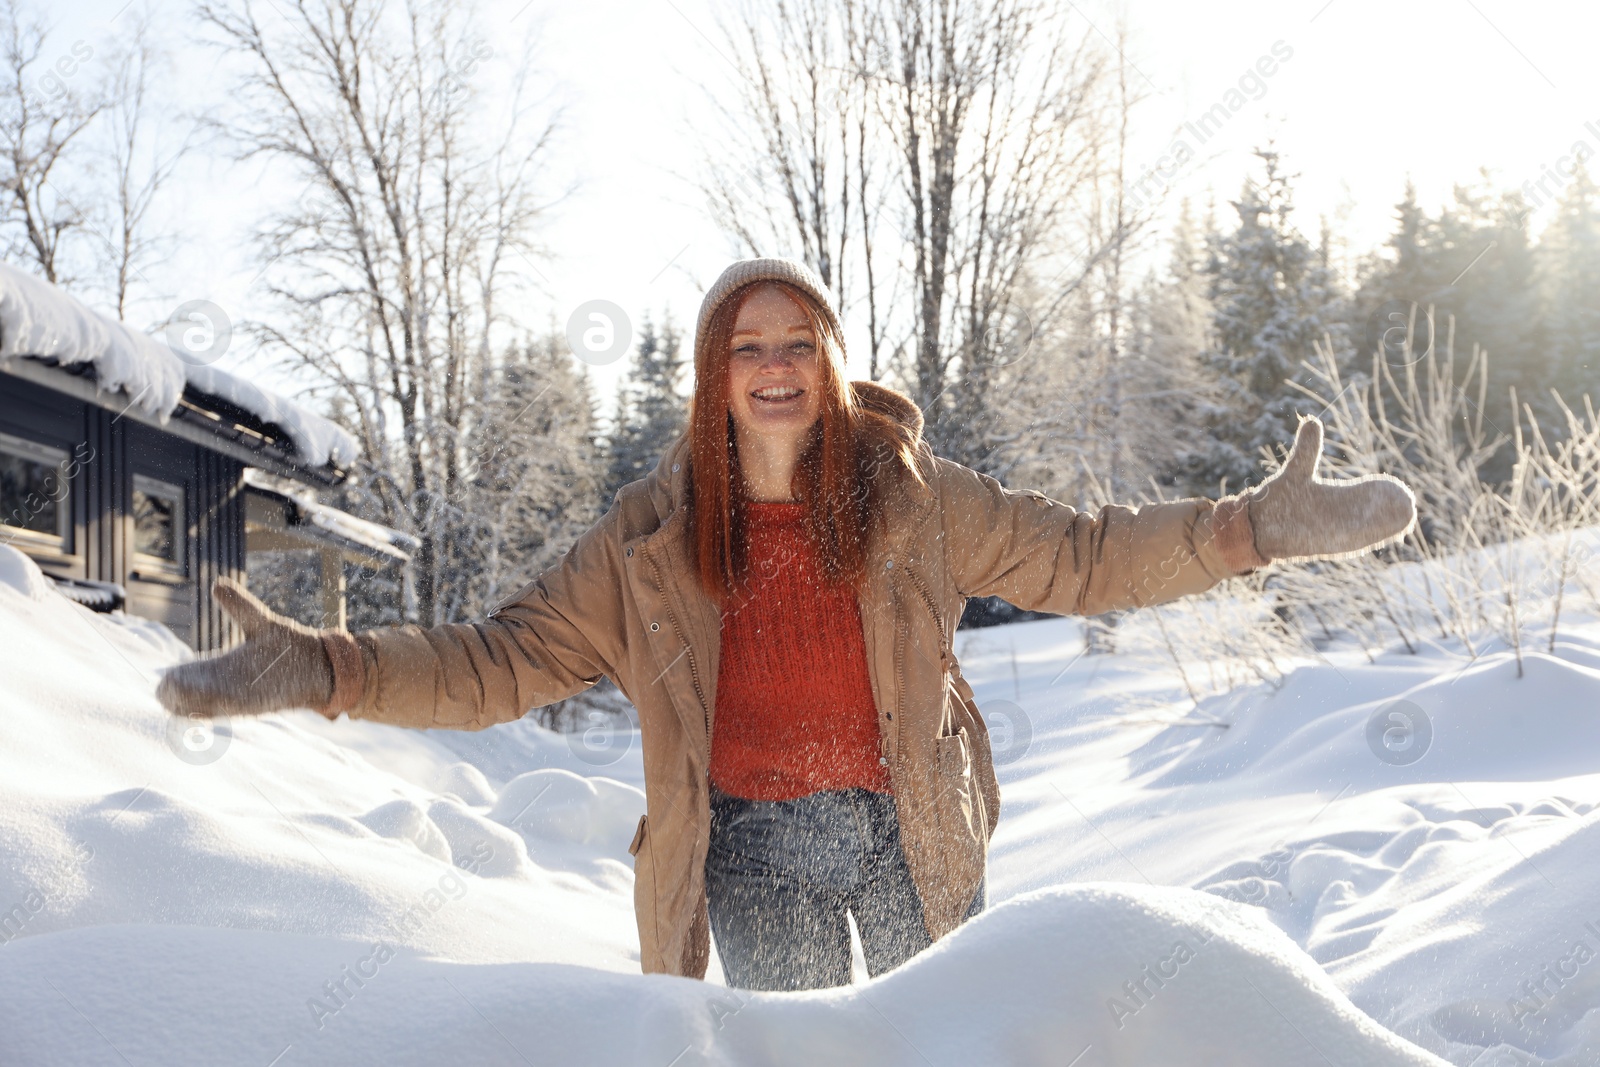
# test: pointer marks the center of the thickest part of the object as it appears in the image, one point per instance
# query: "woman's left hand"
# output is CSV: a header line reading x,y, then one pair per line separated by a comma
x,y
1296,515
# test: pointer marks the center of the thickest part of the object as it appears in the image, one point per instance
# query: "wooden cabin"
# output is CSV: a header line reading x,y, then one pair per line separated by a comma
x,y
139,502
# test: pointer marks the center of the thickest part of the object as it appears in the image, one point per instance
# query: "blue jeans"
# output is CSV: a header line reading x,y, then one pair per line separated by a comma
x,y
781,875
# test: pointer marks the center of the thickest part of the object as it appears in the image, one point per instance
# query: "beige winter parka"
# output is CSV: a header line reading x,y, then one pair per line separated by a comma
x,y
625,604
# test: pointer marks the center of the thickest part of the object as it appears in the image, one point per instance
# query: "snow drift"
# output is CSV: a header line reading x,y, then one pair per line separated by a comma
x,y
286,890
1086,975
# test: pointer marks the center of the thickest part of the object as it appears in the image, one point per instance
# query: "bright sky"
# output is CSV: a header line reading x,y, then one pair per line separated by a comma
x,y
1372,91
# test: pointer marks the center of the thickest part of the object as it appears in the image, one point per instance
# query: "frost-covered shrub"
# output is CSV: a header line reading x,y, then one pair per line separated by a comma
x,y
1489,560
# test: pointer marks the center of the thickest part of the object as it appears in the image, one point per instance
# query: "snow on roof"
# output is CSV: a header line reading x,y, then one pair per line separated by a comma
x,y
313,436
41,320
341,524
361,531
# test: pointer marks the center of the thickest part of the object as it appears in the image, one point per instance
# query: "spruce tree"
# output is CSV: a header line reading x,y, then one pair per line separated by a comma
x,y
651,412
533,476
1473,264
1171,329
1568,271
1273,296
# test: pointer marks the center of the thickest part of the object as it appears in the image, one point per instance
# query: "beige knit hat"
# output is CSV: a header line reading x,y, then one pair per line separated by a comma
x,y
745,271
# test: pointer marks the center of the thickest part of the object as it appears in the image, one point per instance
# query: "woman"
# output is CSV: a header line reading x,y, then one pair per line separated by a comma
x,y
778,599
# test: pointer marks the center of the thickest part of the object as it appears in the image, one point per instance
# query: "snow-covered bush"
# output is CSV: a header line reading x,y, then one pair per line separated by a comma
x,y
1490,562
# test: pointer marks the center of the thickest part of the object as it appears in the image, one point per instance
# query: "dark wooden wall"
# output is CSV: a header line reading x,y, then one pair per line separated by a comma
x,y
116,448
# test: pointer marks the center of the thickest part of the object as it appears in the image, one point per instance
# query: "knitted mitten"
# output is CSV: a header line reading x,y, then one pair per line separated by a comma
x,y
1296,515
282,664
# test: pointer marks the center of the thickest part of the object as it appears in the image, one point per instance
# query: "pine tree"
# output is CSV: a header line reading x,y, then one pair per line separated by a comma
x,y
1172,328
533,477
651,411
1568,271
1473,265
1274,296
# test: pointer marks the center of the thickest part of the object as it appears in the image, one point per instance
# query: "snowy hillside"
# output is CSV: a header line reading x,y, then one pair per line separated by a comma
x,y
1267,879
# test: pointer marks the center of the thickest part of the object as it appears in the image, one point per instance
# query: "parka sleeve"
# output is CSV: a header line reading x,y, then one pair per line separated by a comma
x,y
556,637
1043,555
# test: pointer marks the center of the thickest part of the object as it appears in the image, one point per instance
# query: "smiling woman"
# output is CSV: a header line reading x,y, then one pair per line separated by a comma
x,y
774,420
778,600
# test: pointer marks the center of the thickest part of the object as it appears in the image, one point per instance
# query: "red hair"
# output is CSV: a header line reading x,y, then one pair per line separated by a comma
x,y
834,476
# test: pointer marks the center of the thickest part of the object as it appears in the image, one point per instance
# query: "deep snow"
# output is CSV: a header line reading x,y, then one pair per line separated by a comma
x,y
1246,882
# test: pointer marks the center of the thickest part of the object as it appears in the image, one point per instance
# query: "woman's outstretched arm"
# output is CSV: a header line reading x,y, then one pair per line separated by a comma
x,y
556,637
1045,556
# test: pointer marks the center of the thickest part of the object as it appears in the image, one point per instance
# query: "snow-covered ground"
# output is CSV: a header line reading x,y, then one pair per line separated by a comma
x,y
1273,877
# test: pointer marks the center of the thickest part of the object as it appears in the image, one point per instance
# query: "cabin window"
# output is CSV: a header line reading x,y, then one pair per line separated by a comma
x,y
35,494
158,520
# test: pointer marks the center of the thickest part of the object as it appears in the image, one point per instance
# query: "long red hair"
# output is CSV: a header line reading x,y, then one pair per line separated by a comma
x,y
835,475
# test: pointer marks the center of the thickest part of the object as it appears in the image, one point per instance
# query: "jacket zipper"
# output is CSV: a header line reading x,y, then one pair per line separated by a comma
x,y
922,590
927,599
899,664
944,656
677,629
901,627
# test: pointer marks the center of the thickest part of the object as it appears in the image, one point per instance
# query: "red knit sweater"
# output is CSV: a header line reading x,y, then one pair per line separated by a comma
x,y
795,713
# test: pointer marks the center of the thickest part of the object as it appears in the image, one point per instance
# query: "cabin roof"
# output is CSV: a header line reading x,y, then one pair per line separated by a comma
x,y
49,336
302,519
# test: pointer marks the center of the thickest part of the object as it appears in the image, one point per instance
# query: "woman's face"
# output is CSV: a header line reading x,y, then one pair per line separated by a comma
x,y
773,370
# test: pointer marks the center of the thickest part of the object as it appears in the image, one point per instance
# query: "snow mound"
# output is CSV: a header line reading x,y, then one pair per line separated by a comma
x,y
467,782
564,805
1448,885
406,820
20,573
111,812
1091,975
1489,718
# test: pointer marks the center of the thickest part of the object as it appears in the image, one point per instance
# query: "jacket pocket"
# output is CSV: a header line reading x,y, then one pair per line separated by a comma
x,y
955,708
986,791
953,804
962,842
638,836
955,758
654,956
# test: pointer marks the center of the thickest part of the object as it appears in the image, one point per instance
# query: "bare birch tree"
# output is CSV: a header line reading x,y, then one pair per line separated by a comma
x,y
393,263
1002,119
45,108
797,173
142,160
1104,410
977,127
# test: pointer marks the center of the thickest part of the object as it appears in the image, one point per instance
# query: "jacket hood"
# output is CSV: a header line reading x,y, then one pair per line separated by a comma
x,y
891,403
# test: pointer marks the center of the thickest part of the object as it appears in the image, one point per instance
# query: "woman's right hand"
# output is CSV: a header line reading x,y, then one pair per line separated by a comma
x,y
282,664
